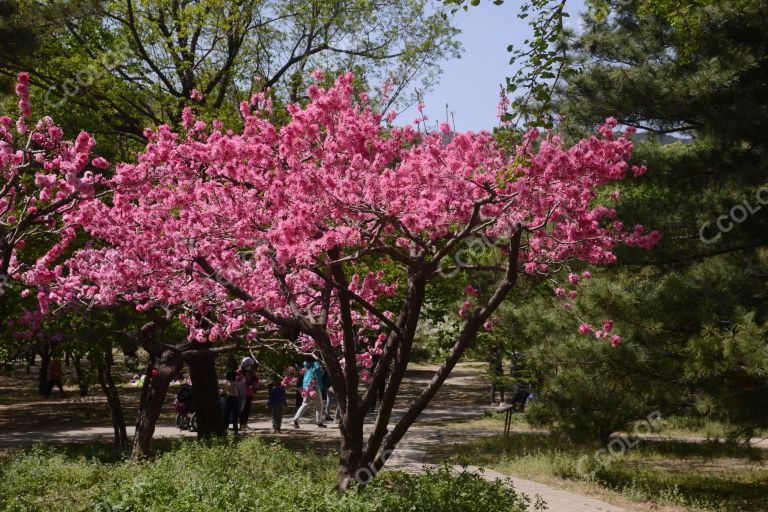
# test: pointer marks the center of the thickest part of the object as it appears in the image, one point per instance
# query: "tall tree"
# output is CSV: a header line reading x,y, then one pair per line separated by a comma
x,y
306,233
701,345
124,65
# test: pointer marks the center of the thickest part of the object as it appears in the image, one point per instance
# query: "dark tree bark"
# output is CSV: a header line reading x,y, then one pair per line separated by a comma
x,y
165,363
351,450
166,367
205,391
82,377
115,408
42,372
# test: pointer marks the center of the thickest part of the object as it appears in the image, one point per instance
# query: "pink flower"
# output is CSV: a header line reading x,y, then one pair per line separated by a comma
x,y
608,326
584,328
573,278
22,90
587,274
465,309
615,340
560,292
100,163
573,294
196,95
318,75
470,290
488,325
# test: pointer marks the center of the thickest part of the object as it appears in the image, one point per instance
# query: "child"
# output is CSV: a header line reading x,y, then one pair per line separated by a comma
x,y
277,401
232,405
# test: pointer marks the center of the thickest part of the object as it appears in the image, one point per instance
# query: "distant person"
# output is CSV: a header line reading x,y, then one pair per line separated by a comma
x,y
520,388
232,404
55,374
250,385
277,402
326,384
330,394
497,373
311,385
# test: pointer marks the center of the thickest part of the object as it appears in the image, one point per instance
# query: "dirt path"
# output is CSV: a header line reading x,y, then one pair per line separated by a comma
x,y
462,397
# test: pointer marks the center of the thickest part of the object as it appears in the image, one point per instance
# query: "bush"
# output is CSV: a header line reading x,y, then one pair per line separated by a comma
x,y
232,476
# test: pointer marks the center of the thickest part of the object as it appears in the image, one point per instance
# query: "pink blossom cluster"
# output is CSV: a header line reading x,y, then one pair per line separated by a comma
x,y
43,176
568,298
241,228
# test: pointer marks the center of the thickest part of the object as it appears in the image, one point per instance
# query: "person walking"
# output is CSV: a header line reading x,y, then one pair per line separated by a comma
x,y
232,404
329,394
497,373
250,385
311,387
55,374
277,402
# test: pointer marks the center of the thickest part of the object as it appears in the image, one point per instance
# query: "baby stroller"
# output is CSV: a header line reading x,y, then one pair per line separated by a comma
x,y
185,409
520,395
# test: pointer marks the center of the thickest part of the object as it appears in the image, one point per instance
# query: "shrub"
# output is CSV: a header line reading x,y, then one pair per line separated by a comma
x,y
233,476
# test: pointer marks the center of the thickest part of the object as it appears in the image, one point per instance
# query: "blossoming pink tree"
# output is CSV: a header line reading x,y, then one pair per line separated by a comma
x,y
326,235
43,176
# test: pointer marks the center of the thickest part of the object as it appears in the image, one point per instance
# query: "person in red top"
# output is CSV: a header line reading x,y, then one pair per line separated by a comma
x,y
248,373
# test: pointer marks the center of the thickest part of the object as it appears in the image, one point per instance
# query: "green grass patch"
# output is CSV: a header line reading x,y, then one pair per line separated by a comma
x,y
225,475
709,476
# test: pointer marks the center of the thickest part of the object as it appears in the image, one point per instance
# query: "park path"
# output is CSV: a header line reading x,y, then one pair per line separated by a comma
x,y
459,399
411,453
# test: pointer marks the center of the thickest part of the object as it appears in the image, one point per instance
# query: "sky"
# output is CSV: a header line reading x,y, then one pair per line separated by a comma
x,y
470,84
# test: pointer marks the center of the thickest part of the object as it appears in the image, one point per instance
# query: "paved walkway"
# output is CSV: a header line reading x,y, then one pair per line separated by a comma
x,y
409,456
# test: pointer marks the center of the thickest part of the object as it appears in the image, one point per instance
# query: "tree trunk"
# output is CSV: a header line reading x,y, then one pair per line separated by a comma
x,y
42,373
82,378
205,391
115,409
351,450
152,399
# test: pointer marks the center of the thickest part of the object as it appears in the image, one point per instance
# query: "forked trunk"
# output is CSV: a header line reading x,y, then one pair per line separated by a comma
x,y
152,399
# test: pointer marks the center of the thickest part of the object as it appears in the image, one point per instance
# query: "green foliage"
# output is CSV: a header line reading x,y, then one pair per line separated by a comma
x,y
116,67
248,475
691,313
673,473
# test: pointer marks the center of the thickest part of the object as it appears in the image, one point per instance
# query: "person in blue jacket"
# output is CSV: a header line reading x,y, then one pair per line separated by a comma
x,y
311,388
276,402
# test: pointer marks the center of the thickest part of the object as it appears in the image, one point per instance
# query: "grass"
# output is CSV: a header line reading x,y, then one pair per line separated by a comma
x,y
711,476
250,474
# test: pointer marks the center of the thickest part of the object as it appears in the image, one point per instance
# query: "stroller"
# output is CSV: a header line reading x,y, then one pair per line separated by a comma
x,y
185,409
520,396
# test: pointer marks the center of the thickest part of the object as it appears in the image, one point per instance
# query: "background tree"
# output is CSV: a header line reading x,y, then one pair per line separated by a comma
x,y
118,67
694,311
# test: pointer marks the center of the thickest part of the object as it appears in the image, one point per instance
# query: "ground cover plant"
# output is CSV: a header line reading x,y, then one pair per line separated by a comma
x,y
240,476
697,476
